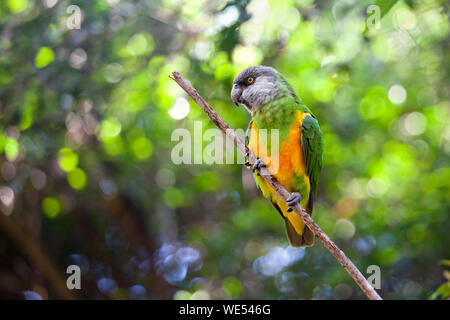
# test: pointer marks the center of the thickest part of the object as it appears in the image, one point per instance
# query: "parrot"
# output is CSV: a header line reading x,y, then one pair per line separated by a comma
x,y
273,104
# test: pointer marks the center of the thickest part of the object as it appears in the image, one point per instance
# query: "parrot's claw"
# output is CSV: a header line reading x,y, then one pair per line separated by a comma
x,y
258,165
247,162
293,200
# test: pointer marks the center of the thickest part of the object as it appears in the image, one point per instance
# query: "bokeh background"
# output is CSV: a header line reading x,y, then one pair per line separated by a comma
x,y
87,178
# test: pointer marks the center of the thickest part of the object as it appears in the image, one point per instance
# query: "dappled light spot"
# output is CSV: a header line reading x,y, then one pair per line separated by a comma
x,y
74,123
364,244
67,159
202,50
81,261
285,281
376,187
8,170
113,146
346,207
17,6
11,148
110,128
139,44
174,262
108,187
323,89
77,178
51,207
78,58
252,250
50,3
173,197
356,188
44,57
403,18
38,179
114,72
137,292
180,109
413,124
6,200
243,220
66,101
277,259
374,103
116,22
227,17
344,229
397,94
182,295
349,44
200,295
107,286
142,148
247,56
29,110
232,286
327,60
289,18
387,256
31,295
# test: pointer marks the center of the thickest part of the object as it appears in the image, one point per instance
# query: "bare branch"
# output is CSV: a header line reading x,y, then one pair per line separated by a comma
x,y
31,247
326,241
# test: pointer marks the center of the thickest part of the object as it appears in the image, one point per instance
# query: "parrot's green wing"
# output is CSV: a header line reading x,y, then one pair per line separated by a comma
x,y
312,142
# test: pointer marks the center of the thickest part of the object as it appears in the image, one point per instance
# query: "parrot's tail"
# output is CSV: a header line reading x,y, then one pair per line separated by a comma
x,y
298,240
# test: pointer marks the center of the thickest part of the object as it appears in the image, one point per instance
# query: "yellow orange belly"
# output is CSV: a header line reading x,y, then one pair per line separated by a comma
x,y
282,165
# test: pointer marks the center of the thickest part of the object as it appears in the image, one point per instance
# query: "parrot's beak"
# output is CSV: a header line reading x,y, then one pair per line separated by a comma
x,y
236,93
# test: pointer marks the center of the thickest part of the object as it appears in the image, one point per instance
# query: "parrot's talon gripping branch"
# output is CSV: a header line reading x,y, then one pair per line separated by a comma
x,y
280,190
293,200
258,165
247,162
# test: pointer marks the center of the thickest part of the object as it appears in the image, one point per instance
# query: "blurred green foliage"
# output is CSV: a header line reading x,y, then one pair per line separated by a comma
x,y
87,117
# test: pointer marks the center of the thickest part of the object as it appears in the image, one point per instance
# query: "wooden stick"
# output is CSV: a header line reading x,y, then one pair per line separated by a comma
x,y
327,242
36,255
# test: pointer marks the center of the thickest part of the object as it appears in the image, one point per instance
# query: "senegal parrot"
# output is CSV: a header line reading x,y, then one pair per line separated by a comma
x,y
297,162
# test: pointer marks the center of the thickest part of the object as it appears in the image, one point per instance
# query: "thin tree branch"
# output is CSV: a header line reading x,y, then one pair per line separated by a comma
x,y
35,253
326,241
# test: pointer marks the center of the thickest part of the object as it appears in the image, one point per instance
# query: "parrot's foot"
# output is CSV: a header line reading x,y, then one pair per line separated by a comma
x,y
258,165
293,200
247,162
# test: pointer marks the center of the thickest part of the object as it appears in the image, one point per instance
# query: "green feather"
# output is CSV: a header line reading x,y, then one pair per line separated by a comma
x,y
312,142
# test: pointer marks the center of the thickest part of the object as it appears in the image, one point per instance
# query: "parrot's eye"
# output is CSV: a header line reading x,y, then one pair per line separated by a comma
x,y
250,80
